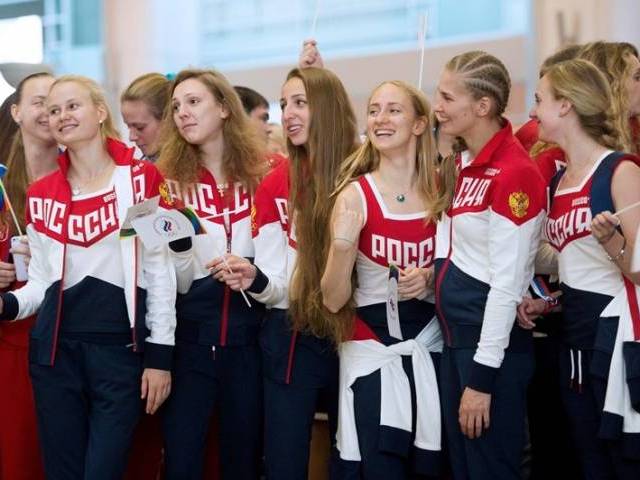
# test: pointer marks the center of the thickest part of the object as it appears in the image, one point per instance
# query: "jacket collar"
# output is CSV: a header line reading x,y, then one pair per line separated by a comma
x,y
118,151
486,153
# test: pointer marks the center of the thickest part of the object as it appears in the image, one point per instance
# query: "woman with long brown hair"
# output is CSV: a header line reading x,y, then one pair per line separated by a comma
x,y
380,225
213,161
293,207
31,155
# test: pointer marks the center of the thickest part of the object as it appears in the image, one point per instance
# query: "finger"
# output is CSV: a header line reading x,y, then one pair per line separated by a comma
x,y
486,419
478,426
151,400
144,387
462,420
471,425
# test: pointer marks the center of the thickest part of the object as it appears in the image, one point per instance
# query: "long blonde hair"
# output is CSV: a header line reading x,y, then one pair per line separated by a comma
x,y
482,75
587,89
243,159
314,171
612,59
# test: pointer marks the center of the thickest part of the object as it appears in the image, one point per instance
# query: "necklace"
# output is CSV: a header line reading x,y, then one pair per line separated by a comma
x,y
221,187
78,188
400,198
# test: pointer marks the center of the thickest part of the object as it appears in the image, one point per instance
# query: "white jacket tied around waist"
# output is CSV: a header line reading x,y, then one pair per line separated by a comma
x,y
363,357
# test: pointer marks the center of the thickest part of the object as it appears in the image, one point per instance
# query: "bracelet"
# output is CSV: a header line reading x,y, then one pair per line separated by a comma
x,y
345,239
620,253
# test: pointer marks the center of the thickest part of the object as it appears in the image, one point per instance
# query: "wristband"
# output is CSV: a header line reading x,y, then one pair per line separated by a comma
x,y
552,302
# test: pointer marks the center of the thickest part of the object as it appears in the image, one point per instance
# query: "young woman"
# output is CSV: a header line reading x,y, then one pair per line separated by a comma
x,y
213,160
143,105
32,155
100,299
380,223
490,218
573,110
293,206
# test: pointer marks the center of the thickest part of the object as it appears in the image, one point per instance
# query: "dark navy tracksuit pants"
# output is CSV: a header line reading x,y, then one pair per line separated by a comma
x,y
599,459
293,390
498,452
88,404
205,380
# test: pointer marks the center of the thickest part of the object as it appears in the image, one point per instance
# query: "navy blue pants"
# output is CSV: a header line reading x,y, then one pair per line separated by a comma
x,y
552,451
599,459
290,407
229,380
498,453
88,404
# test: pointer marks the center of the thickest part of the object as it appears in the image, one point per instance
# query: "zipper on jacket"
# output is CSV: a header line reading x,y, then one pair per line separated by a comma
x,y
59,306
224,324
445,266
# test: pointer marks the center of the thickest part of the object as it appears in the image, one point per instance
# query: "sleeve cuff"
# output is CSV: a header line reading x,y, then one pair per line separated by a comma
x,y
482,377
259,283
158,356
10,306
181,245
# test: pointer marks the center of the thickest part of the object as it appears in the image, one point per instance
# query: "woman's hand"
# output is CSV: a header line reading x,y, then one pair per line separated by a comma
x,y
22,248
7,274
529,310
244,272
414,282
310,55
156,387
473,414
603,226
347,224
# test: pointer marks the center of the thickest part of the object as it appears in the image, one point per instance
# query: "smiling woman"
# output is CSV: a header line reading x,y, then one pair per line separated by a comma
x,y
94,314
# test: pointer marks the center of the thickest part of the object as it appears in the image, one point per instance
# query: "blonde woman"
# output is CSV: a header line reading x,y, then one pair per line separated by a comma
x,y
490,201
101,300
380,224
573,110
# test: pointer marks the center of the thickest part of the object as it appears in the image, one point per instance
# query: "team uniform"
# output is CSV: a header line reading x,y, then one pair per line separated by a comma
x,y
217,354
548,429
485,250
589,282
300,370
20,456
101,300
379,373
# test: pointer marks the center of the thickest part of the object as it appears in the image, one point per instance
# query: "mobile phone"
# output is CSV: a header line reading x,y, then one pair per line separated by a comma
x,y
19,261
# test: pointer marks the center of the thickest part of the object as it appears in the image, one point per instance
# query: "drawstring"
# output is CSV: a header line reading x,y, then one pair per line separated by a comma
x,y
572,382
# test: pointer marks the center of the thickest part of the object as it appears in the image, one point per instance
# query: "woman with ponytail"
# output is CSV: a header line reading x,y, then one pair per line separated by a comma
x,y
573,109
32,155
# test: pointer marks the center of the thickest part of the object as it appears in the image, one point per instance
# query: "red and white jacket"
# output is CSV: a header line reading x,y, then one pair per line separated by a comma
x,y
208,312
68,255
485,249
